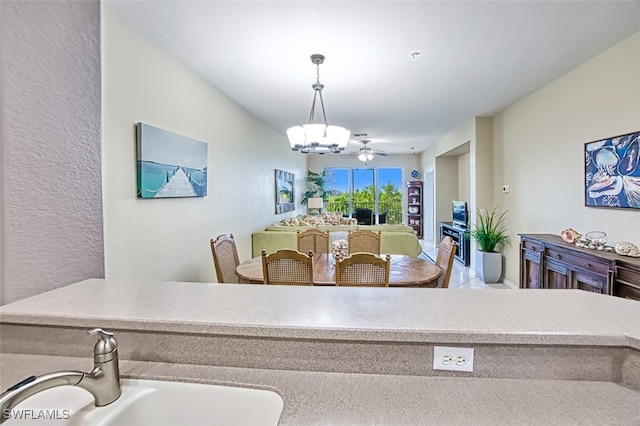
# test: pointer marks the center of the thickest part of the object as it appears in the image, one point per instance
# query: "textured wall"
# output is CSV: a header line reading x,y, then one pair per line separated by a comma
x,y
168,239
538,145
51,164
539,148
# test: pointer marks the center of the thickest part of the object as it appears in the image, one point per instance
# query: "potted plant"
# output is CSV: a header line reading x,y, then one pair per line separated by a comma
x,y
489,233
316,183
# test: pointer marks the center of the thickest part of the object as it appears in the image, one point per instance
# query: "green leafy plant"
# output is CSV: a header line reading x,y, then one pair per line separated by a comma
x,y
490,230
316,183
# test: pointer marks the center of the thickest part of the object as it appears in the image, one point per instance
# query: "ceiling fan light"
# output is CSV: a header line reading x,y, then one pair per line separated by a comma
x,y
362,156
369,156
296,137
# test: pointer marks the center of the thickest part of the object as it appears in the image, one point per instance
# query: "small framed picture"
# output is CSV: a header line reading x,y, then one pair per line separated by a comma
x,y
285,199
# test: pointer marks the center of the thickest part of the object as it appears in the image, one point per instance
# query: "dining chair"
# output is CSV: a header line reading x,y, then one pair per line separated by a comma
x,y
313,240
287,267
363,216
363,240
444,259
382,217
225,258
363,270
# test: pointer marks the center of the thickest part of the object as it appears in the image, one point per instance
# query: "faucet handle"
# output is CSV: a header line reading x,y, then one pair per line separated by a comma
x,y
100,332
106,345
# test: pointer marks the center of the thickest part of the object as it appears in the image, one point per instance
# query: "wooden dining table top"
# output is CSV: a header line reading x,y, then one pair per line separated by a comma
x,y
405,271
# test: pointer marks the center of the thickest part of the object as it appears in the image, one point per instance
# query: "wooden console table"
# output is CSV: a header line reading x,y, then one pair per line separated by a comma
x,y
546,261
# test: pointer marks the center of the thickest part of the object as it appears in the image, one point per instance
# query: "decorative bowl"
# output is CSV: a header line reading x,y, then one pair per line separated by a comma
x,y
598,238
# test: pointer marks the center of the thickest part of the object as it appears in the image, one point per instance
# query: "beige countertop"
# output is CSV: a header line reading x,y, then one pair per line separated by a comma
x,y
320,398
570,317
515,326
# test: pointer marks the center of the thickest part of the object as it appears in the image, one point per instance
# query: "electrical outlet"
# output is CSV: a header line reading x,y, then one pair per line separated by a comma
x,y
453,359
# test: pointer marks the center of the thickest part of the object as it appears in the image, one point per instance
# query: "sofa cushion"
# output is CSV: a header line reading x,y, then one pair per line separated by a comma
x,y
344,228
387,228
281,237
288,228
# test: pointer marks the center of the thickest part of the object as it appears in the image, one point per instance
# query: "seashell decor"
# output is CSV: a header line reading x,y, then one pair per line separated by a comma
x,y
340,249
570,235
626,248
594,240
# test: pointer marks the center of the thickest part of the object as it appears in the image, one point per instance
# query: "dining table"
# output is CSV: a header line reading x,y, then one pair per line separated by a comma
x,y
405,271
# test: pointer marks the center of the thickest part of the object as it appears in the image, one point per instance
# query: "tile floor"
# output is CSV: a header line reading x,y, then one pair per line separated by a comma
x,y
461,277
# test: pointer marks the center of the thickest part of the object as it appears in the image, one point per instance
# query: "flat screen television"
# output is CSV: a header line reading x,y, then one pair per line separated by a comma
x,y
460,213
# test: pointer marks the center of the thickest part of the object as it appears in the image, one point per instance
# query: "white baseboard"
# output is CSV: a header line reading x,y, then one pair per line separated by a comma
x,y
510,284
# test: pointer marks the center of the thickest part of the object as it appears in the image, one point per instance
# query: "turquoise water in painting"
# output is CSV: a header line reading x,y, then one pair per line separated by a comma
x,y
198,179
153,176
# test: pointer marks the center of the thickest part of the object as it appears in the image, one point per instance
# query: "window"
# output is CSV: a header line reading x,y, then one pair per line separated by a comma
x,y
374,194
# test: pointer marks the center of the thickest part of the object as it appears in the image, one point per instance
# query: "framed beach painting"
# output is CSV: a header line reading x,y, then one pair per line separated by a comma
x,y
170,165
612,173
285,201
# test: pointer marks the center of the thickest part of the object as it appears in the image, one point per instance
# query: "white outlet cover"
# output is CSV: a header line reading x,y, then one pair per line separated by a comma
x,y
440,352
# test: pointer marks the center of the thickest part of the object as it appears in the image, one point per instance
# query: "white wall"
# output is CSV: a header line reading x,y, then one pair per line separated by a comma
x,y
464,189
168,239
428,227
446,187
406,162
51,227
539,148
536,146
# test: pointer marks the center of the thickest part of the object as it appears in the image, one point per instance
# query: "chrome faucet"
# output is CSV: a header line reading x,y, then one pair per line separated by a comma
x,y
103,382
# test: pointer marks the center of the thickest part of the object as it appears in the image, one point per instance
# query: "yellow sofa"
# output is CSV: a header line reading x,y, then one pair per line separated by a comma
x,y
394,239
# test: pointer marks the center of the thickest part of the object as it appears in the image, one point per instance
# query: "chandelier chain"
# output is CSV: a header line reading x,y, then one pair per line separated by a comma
x,y
317,89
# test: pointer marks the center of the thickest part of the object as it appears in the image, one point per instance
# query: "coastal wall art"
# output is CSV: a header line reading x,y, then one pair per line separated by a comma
x,y
170,165
612,173
285,201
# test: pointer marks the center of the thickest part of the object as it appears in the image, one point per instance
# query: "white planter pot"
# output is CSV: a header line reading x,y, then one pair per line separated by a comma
x,y
488,266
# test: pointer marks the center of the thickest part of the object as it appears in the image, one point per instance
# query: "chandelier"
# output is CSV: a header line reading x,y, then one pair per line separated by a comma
x,y
318,138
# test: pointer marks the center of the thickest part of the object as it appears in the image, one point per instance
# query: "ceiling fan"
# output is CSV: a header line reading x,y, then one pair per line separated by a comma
x,y
365,153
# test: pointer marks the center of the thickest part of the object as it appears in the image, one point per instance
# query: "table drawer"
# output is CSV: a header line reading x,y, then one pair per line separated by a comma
x,y
628,275
578,261
626,290
531,245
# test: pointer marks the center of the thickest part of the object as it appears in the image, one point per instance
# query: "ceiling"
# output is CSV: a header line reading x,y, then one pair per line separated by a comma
x,y
474,57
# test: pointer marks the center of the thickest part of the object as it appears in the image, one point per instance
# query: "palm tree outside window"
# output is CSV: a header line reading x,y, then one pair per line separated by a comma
x,y
377,190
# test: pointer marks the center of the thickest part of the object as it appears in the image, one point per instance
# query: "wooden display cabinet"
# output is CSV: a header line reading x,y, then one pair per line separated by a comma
x,y
548,262
414,206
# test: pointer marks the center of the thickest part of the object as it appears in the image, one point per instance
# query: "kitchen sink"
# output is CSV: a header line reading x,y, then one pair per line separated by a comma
x,y
152,402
